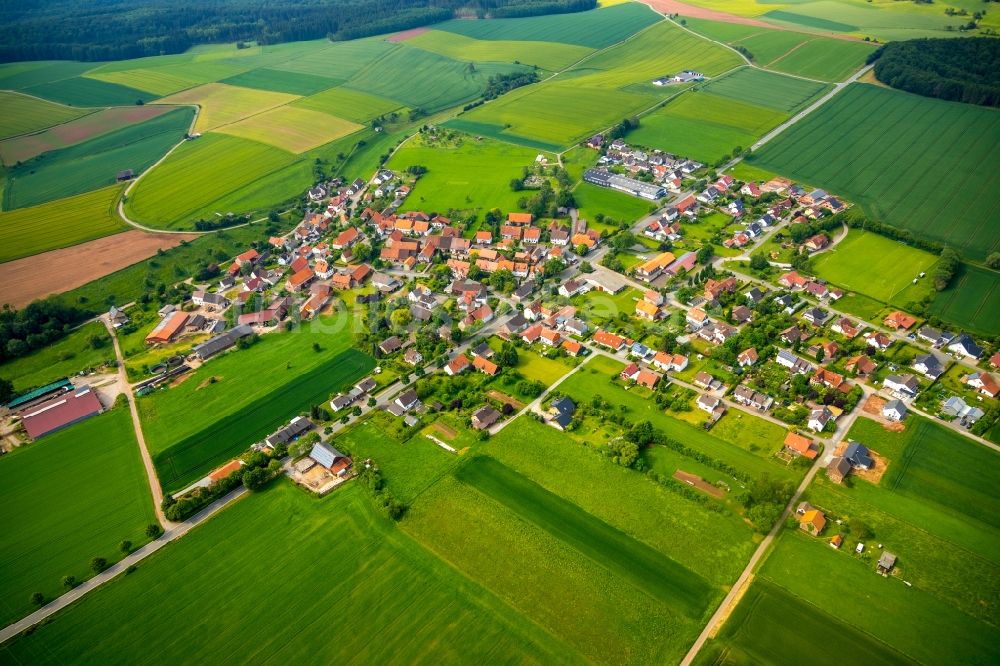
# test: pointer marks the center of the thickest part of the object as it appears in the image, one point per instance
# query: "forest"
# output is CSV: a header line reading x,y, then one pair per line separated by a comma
x,y
958,70
100,30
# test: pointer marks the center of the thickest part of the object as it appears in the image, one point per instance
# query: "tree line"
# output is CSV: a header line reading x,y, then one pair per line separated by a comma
x,y
118,29
960,70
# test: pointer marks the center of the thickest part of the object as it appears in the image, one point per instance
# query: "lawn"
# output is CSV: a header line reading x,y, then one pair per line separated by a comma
x,y
75,131
72,496
21,114
704,126
293,129
388,598
972,300
193,426
595,29
645,568
463,174
878,267
60,359
918,163
350,104
216,173
533,365
593,200
94,163
546,54
94,215
222,104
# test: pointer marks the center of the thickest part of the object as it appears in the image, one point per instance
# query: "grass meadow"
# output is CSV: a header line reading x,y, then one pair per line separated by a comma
x,y
94,215
94,163
878,267
972,300
462,175
592,200
22,114
200,422
388,598
213,175
60,359
917,163
71,496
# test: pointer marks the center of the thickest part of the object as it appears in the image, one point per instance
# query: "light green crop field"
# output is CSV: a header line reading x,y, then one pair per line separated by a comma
x,y
704,126
193,426
421,79
766,89
20,114
471,175
972,300
94,163
71,496
84,92
547,54
918,163
350,104
597,29
600,92
19,75
339,60
163,80
389,598
222,104
206,176
877,266
60,359
293,83
293,129
94,215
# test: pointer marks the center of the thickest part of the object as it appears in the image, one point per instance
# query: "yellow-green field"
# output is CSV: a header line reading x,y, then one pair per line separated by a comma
x,y
28,231
292,129
350,104
546,55
20,114
171,78
223,104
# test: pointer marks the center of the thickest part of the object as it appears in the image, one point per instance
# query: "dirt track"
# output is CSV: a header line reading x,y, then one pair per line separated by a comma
x,y
25,280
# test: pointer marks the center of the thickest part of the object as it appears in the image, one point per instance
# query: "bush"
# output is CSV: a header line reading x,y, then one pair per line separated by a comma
x,y
98,564
125,546
38,599
153,531
69,582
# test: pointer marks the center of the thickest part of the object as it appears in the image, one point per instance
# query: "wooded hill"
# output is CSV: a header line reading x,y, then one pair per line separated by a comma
x,y
960,70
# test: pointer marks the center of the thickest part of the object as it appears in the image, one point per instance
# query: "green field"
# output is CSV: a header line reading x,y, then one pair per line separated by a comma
x,y
215,174
94,216
596,29
704,126
641,565
293,83
766,89
592,199
421,79
350,104
199,423
94,163
293,129
972,300
81,91
60,359
615,83
546,54
222,104
339,60
878,267
20,75
70,497
385,598
917,163
21,114
467,174
168,79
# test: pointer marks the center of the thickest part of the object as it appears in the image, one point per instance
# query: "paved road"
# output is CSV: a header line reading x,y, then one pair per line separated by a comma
x,y
147,461
176,532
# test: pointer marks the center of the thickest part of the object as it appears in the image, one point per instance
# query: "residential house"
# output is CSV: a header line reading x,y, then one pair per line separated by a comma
x,y
984,382
457,365
964,345
899,321
708,403
902,385
390,345
858,456
485,366
651,269
412,356
609,340
484,417
811,520
894,410
696,318
747,357
818,418
878,340
562,411
745,395
742,314
845,327
789,360
929,366
800,445
838,469
861,365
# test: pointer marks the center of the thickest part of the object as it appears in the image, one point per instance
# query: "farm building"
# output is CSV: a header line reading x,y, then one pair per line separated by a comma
x,y
886,563
811,520
61,411
26,400
330,458
168,329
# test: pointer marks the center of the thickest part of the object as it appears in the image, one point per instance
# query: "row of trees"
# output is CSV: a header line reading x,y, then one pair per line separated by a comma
x,y
34,327
961,70
119,29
